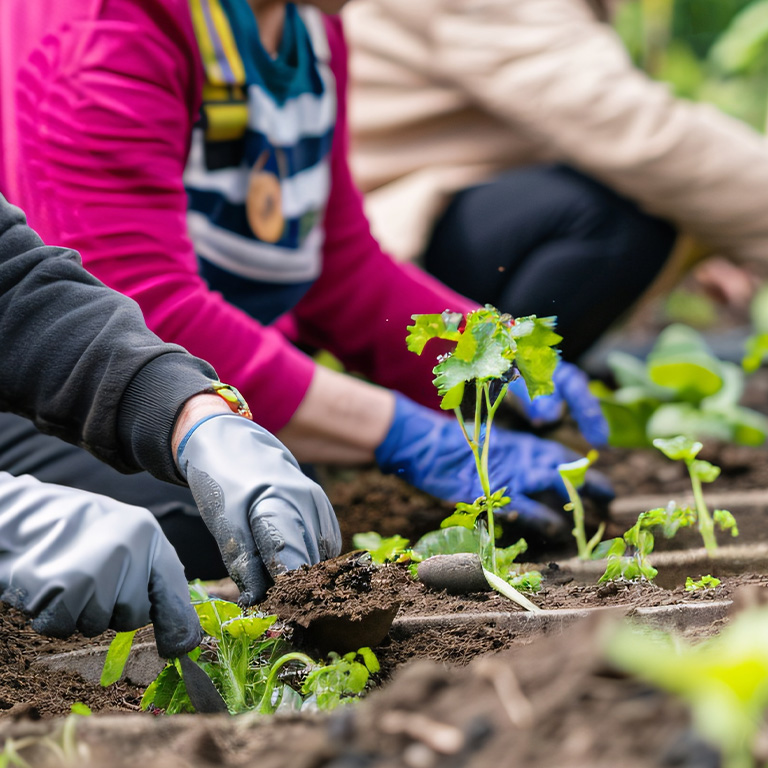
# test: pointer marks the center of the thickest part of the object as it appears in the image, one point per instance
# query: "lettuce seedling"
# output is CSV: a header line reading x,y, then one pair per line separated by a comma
x,y
684,449
574,474
682,388
724,679
491,349
756,347
251,665
705,582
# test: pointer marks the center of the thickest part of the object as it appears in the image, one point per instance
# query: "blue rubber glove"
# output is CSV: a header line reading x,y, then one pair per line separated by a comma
x,y
572,392
428,450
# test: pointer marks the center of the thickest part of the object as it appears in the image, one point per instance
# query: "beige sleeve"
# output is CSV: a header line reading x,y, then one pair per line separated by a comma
x,y
556,74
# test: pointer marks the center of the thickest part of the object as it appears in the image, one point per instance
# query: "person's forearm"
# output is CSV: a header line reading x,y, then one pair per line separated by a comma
x,y
341,420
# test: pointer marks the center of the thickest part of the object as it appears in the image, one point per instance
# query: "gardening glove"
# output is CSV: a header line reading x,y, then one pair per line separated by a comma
x,y
266,515
571,392
79,561
428,449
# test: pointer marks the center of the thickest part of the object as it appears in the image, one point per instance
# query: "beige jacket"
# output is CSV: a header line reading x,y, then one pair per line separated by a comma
x,y
446,93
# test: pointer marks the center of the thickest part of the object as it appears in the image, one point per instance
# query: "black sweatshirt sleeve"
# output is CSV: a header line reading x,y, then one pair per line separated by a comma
x,y
77,358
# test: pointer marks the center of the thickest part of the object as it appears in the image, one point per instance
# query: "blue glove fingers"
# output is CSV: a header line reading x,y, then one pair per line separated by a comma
x,y
573,386
535,517
545,409
598,487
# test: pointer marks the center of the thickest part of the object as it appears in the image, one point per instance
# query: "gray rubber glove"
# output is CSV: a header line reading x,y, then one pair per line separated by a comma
x,y
266,515
79,561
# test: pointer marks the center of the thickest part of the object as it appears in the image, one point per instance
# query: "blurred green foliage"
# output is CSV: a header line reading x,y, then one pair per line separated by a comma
x,y
707,50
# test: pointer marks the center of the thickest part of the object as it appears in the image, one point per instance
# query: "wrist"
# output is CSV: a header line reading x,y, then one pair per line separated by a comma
x,y
196,409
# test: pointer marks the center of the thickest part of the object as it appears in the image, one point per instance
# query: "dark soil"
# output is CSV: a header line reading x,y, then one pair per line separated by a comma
x,y
25,692
554,703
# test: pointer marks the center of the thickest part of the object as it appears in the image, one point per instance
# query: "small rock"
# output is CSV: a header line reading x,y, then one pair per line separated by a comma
x,y
457,574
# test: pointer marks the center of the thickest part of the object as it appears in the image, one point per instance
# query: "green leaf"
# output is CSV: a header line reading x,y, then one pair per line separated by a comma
x,y
369,659
742,44
447,541
161,691
705,582
705,471
427,327
78,708
528,581
681,360
678,448
248,626
535,358
725,521
453,397
117,656
382,550
575,472
672,419
213,613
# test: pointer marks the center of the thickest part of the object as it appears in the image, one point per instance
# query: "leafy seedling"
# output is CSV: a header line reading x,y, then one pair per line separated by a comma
x,y
249,662
724,679
756,347
705,582
684,449
682,388
491,349
389,549
628,556
574,474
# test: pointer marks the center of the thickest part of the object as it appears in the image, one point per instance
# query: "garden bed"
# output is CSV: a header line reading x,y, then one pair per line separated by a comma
x,y
476,653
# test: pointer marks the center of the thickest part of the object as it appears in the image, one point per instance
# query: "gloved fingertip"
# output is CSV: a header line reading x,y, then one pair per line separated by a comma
x,y
595,431
175,638
545,409
542,521
598,486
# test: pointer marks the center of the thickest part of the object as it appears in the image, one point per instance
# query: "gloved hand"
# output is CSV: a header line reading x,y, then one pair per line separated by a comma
x,y
79,561
429,450
571,391
266,515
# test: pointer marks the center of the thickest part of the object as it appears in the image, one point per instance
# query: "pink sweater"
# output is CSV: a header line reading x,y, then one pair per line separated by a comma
x,y
96,140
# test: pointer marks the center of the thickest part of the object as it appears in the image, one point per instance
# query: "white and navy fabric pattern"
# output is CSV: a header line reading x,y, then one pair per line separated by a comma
x,y
291,114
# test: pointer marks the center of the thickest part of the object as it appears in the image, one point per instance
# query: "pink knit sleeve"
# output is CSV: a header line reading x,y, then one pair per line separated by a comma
x,y
105,109
363,301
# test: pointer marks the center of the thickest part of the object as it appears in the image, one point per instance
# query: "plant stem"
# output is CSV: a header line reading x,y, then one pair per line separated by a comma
x,y
706,525
265,705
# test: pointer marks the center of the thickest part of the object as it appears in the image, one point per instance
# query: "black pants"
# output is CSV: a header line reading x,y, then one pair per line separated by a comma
x,y
25,451
547,240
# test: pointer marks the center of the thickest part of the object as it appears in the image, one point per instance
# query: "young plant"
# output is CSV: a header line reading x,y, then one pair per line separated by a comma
x,y
684,449
681,388
639,542
389,549
573,475
705,582
490,350
724,679
250,664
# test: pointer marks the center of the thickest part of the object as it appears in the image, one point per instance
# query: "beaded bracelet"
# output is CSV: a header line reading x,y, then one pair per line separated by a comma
x,y
232,397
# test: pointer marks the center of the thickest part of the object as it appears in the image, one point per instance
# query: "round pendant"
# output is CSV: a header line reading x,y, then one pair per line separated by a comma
x,y
264,206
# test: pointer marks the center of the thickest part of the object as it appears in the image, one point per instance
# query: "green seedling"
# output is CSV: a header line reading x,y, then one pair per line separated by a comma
x,y
490,350
389,549
724,679
682,388
684,449
251,665
628,556
705,582
573,475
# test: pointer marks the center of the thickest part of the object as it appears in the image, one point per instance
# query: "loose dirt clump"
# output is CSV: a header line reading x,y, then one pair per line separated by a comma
x,y
338,605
